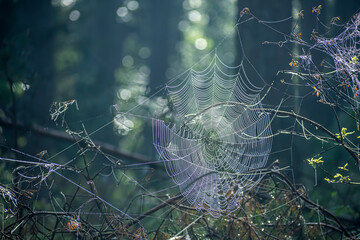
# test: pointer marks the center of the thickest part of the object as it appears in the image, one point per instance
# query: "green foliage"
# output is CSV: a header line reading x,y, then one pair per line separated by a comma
x,y
314,161
344,133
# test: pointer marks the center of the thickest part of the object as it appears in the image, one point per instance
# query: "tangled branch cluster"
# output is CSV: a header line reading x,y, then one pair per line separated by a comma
x,y
345,52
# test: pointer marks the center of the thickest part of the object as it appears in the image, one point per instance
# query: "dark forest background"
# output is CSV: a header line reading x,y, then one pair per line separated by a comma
x,y
109,55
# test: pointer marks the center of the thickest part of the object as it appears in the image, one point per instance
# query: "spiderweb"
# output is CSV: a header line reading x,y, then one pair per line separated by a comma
x,y
335,81
223,139
344,50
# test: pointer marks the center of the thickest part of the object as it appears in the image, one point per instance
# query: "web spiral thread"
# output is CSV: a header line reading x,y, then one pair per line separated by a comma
x,y
223,140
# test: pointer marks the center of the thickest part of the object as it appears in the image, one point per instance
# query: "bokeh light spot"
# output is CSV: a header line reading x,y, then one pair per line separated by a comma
x,y
66,3
145,70
183,25
129,124
195,3
122,11
128,61
145,52
74,15
194,16
125,94
186,5
201,43
132,5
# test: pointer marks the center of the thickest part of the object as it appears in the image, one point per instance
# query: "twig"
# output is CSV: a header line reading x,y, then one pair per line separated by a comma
x,y
164,204
192,223
319,126
56,134
287,181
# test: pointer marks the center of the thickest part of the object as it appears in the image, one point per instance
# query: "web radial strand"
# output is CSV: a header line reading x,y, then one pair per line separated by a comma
x,y
223,138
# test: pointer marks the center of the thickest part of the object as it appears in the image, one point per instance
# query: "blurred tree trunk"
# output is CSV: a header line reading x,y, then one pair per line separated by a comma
x,y
160,33
7,98
6,17
38,19
26,33
101,39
